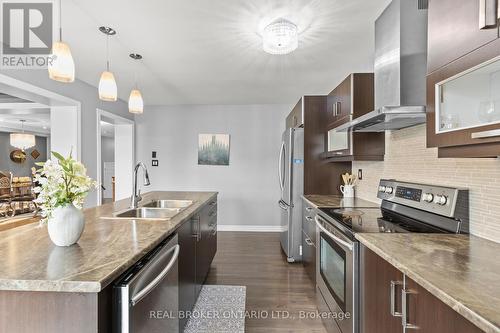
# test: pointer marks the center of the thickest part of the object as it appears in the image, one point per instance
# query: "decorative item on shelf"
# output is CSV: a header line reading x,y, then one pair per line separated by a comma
x,y
280,37
18,156
135,101
35,154
349,182
61,67
213,149
22,140
63,186
108,90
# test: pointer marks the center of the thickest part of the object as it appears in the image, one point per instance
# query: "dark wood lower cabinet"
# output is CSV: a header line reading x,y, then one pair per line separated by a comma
x,y
376,275
198,242
187,269
431,315
424,312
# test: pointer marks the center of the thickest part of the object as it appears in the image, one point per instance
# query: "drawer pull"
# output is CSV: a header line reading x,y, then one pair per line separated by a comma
x,y
394,313
488,14
309,218
309,242
404,306
309,209
485,134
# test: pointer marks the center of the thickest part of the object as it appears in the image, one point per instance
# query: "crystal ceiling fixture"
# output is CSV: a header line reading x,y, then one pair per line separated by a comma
x,y
108,90
61,66
22,140
135,101
280,37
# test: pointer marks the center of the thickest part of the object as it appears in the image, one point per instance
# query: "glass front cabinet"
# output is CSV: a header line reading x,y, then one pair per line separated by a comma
x,y
464,110
463,81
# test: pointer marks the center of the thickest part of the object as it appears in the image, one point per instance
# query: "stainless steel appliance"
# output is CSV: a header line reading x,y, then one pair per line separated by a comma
x,y
291,181
405,207
146,297
400,69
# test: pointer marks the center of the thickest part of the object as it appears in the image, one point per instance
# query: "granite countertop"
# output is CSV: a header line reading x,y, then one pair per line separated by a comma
x,y
462,271
338,201
31,262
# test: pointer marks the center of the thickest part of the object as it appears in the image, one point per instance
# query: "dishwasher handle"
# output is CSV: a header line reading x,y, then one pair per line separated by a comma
x,y
150,286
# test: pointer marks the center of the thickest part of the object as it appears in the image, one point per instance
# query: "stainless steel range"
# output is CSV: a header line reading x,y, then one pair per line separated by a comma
x,y
405,207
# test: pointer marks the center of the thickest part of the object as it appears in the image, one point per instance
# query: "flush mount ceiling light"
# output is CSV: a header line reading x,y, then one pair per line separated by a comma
x,y
135,101
107,84
22,140
280,37
61,67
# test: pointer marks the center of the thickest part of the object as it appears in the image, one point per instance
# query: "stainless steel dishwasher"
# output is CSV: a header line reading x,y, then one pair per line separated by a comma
x,y
146,296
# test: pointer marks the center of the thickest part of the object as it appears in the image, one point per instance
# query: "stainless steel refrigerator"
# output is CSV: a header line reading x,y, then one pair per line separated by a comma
x,y
291,181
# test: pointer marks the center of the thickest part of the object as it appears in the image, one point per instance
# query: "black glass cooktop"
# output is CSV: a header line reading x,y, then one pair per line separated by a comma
x,y
375,220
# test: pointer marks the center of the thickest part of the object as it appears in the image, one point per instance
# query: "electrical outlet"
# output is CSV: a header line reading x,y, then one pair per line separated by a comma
x,y
154,162
360,174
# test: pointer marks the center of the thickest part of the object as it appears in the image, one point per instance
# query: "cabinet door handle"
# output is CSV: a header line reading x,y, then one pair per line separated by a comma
x,y
394,313
339,108
488,14
404,306
309,242
309,209
309,218
485,134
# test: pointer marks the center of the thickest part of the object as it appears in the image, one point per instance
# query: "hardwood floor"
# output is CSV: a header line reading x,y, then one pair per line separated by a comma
x,y
274,287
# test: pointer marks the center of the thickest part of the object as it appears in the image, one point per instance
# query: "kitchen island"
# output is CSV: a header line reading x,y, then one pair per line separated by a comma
x,y
45,288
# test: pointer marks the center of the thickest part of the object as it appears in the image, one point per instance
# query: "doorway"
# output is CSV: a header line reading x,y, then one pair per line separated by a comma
x,y
33,122
115,156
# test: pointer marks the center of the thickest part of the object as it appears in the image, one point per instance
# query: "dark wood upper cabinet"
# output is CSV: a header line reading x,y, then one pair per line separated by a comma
x,y
377,277
352,98
463,105
320,177
454,31
296,117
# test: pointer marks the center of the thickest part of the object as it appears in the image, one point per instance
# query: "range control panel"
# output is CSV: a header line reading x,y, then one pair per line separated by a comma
x,y
440,200
408,193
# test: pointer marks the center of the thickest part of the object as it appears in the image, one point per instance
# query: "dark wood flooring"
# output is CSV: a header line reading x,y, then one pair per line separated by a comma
x,y
275,288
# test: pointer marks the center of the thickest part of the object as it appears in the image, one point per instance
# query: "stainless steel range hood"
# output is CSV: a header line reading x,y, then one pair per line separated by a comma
x,y
400,69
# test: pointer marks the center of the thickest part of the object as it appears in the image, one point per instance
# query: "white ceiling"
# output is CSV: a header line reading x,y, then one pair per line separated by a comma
x,y
209,52
37,121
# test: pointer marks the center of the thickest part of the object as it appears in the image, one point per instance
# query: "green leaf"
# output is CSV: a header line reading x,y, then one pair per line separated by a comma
x,y
41,164
58,156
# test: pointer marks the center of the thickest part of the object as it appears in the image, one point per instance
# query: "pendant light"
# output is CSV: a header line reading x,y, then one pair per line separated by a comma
x,y
107,84
135,102
62,66
22,140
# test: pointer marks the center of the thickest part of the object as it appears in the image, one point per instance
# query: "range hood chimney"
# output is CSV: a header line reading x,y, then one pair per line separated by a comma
x,y
400,69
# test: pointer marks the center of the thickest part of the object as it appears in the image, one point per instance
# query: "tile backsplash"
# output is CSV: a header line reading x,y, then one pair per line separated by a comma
x,y
408,159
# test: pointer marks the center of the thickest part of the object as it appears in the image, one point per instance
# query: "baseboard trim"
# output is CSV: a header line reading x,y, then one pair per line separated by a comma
x,y
250,228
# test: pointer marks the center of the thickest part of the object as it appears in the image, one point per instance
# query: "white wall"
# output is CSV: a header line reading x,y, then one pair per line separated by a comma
x,y
248,187
87,96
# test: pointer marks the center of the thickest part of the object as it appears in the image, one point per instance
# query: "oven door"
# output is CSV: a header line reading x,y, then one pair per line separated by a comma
x,y
336,276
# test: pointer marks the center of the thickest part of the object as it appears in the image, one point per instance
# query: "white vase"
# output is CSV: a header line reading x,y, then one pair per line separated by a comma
x,y
66,225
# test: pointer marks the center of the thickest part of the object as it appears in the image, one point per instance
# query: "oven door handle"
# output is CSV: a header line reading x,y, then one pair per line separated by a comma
x,y
332,236
146,290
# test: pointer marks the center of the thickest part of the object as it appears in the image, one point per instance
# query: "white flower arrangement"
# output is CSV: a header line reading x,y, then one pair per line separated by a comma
x,y
61,183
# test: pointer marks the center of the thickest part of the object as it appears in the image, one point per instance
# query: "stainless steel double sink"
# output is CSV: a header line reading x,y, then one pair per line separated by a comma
x,y
156,209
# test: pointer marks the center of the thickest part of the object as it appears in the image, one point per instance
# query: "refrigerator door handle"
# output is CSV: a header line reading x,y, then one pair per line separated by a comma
x,y
280,167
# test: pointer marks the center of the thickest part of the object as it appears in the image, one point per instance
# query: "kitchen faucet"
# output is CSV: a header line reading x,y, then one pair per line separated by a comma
x,y
136,197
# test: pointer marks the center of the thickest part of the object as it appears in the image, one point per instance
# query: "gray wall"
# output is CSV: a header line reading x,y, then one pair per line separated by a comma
x,y
87,96
23,169
248,187
107,149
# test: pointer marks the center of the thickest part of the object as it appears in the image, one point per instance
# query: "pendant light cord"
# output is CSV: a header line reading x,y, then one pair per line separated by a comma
x,y
60,20
107,53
